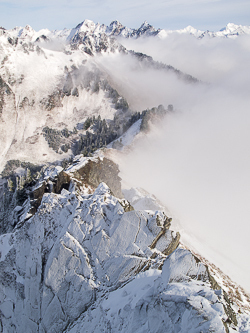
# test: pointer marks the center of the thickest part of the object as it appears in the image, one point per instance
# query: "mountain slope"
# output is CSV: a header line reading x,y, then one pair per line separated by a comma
x,y
57,80
87,260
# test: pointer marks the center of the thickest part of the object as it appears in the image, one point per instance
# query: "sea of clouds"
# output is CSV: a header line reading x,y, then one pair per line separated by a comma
x,y
197,162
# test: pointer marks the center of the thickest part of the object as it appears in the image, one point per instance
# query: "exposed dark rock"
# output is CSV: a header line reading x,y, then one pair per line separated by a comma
x,y
4,92
126,206
75,92
229,311
62,180
173,245
161,233
95,172
52,101
42,38
68,85
13,41
24,103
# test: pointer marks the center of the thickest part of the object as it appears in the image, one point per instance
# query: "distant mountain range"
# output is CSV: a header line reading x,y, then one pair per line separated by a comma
x,y
117,29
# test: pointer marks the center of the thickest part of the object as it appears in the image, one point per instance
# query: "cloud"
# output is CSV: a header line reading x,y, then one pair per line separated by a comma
x,y
225,58
197,162
145,87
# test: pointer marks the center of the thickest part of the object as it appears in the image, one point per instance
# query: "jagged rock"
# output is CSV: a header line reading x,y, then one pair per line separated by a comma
x,y
94,171
55,181
91,44
177,300
68,252
57,265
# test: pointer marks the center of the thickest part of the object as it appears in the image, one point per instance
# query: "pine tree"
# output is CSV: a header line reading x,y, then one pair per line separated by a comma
x,y
17,184
21,182
10,185
38,174
85,152
28,176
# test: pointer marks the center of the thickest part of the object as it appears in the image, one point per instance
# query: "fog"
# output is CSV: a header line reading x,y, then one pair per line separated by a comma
x,y
209,59
147,87
197,160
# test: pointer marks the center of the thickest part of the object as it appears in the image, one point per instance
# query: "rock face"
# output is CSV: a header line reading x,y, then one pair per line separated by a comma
x,y
178,299
96,170
73,249
14,213
89,262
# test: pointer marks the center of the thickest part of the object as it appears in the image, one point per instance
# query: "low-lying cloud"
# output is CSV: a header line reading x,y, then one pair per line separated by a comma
x,y
197,162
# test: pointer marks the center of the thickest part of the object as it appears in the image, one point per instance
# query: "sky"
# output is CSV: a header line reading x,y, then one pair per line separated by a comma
x,y
166,14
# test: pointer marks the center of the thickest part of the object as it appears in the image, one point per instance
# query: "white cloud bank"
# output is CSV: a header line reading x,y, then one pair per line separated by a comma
x,y
198,162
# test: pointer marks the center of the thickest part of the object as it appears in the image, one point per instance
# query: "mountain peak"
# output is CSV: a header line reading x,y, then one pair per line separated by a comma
x,y
115,22
114,25
28,27
145,29
27,31
86,25
145,24
230,26
117,28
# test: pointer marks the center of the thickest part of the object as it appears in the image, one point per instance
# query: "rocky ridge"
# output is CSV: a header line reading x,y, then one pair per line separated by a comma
x,y
85,254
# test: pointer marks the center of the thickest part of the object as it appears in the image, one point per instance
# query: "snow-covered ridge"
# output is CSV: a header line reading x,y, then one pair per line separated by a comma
x,y
86,261
117,29
87,27
231,31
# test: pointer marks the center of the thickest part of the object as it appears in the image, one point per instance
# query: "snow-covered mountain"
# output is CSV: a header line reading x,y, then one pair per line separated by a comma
x,y
45,75
86,27
230,31
117,29
57,79
77,251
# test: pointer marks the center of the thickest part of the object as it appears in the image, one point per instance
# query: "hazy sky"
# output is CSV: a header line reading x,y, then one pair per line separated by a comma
x,y
168,14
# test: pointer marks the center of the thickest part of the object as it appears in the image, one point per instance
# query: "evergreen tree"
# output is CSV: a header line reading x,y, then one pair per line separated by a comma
x,y
10,185
28,176
17,184
21,182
